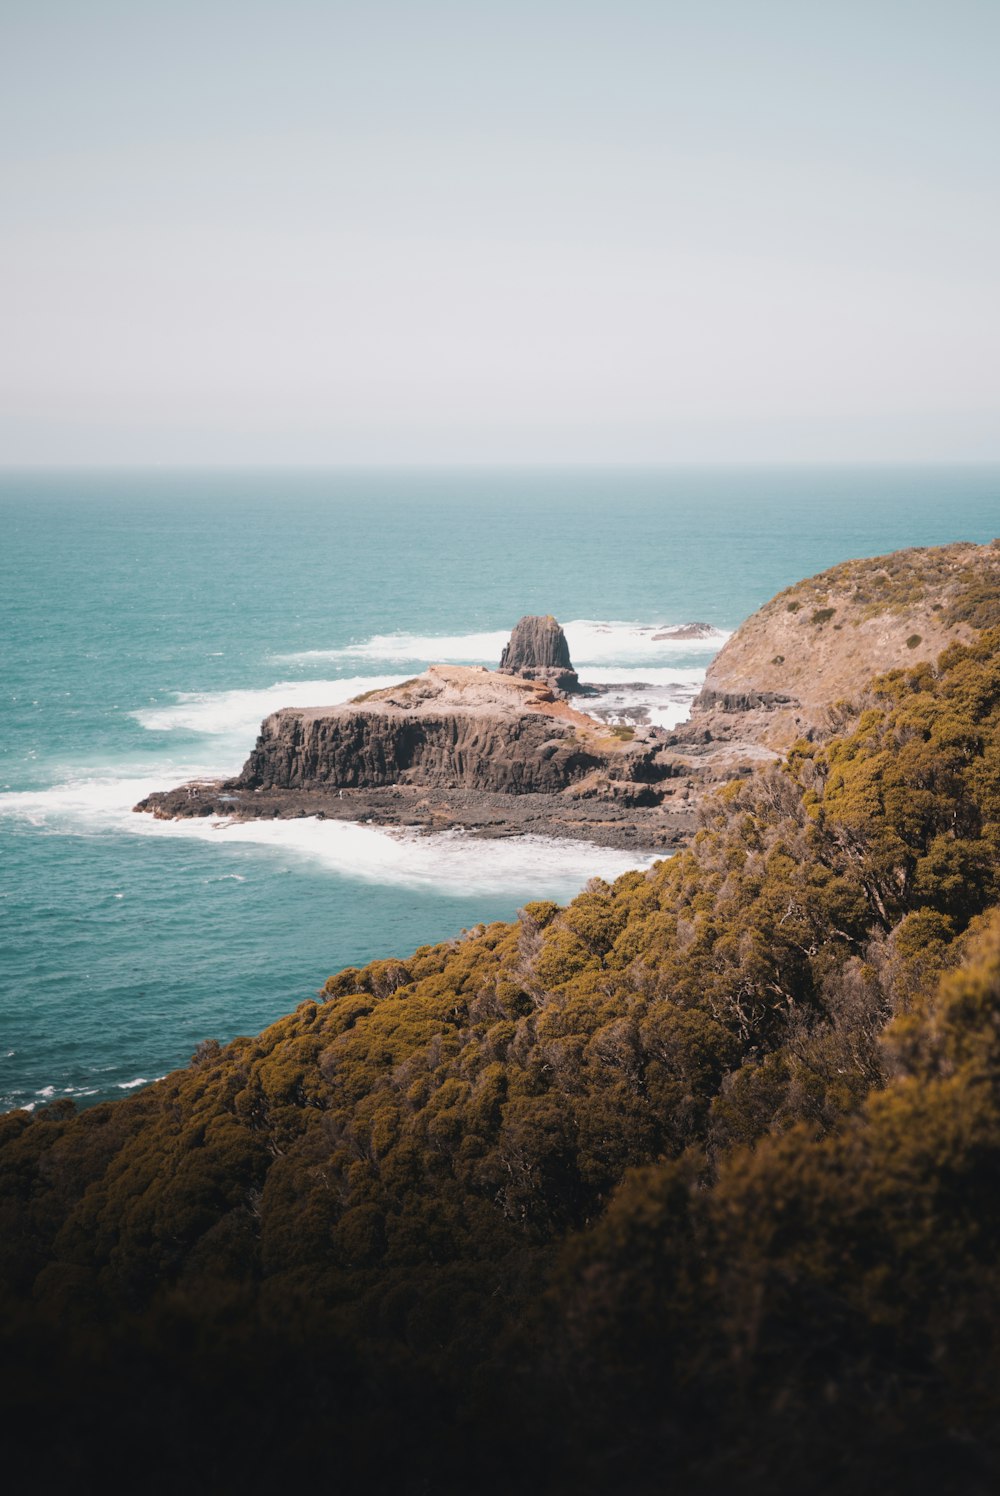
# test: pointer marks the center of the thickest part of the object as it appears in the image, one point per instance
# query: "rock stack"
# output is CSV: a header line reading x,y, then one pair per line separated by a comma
x,y
537,650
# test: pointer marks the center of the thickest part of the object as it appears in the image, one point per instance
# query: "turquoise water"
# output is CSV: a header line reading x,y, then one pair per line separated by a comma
x,y
149,622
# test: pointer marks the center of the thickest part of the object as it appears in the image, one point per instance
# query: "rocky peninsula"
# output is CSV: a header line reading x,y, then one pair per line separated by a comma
x,y
504,752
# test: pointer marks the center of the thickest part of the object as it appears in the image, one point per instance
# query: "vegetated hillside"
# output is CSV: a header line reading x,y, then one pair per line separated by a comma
x,y
812,643
691,1185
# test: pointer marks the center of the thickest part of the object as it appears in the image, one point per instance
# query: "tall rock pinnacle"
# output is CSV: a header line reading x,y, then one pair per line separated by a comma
x,y
537,649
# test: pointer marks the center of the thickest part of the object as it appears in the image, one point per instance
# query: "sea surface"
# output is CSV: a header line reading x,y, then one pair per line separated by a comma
x,y
149,621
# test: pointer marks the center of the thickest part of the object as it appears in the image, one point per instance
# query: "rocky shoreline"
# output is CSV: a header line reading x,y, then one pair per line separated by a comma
x,y
495,753
504,752
662,827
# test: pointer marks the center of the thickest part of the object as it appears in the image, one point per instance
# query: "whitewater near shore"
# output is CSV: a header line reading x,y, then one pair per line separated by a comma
x,y
136,886
152,622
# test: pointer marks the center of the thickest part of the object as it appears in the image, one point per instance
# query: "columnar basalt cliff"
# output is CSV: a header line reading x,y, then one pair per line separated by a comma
x,y
456,727
502,752
460,745
538,650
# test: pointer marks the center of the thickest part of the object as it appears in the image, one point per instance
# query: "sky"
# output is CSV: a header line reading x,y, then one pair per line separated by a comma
x,y
307,232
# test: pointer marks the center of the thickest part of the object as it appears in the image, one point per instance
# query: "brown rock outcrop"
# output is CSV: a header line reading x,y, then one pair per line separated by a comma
x,y
538,650
500,752
456,727
823,639
456,746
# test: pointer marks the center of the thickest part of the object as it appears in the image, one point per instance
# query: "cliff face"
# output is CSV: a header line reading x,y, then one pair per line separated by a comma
x,y
453,728
368,748
503,752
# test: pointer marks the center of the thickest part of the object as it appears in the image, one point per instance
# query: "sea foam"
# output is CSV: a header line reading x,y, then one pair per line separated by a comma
x,y
591,642
452,862
231,713
665,694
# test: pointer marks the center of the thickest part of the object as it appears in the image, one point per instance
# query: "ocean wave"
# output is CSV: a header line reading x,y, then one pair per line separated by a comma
x,y
447,649
662,698
240,713
591,642
102,802
449,862
28,1100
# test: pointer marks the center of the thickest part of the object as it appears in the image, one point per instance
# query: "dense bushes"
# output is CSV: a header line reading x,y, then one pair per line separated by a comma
x,y
700,1170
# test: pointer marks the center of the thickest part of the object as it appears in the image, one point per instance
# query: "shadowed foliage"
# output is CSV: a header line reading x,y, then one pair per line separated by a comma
x,y
690,1185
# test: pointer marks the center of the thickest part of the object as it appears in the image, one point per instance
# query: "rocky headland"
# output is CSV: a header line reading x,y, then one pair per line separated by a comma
x,y
786,669
694,1175
491,751
503,752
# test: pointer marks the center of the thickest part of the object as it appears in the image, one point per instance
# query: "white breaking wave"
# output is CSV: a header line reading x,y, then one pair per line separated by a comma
x,y
663,695
240,713
43,1095
451,862
591,642
617,644
92,804
431,649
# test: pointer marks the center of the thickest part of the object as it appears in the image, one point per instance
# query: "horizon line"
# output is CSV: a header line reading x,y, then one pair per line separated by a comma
x,y
165,468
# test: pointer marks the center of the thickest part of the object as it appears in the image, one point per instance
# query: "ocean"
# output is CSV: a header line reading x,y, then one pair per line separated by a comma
x,y
150,620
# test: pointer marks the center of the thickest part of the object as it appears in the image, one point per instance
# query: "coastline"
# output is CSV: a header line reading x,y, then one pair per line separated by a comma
x,y
416,808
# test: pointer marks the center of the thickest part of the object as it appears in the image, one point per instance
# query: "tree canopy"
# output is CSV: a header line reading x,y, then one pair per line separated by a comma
x,y
690,1183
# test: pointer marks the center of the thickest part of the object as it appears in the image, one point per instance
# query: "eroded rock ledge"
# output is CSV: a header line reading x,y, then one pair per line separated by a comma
x,y
503,752
459,745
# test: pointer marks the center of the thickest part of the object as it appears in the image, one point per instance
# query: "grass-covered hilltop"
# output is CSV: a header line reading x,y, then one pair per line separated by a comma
x,y
691,1186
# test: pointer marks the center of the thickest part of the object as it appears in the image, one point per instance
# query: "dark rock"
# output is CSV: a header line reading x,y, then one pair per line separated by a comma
x,y
513,753
686,631
537,650
741,701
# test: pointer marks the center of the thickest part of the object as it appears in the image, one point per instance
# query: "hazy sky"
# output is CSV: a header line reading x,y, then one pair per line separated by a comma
x,y
306,231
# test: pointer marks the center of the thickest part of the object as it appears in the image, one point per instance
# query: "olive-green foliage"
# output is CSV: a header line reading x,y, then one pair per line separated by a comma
x,y
656,1149
977,604
911,799
821,1309
903,580
403,686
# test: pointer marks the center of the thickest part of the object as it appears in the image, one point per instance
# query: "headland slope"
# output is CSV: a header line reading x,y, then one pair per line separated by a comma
x,y
503,752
